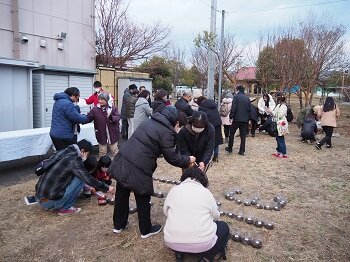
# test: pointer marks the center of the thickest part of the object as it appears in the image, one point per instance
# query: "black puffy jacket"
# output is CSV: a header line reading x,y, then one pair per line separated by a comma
x,y
135,163
309,128
158,106
199,145
211,109
253,113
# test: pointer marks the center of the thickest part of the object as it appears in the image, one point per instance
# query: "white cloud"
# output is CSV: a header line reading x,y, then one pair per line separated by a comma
x,y
187,18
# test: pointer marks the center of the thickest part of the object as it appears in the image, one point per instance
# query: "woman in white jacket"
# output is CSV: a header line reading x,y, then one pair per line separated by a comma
x,y
225,109
266,101
280,116
192,224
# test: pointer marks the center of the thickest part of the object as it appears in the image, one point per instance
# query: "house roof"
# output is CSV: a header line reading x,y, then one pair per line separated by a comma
x,y
246,73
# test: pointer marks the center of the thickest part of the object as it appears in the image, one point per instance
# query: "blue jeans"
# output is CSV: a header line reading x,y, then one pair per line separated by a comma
x,y
69,198
281,145
216,150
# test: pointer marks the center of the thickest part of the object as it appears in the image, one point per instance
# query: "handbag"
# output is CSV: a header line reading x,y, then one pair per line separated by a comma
x,y
272,130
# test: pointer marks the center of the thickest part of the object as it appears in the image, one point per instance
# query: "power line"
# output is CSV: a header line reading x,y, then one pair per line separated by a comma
x,y
282,8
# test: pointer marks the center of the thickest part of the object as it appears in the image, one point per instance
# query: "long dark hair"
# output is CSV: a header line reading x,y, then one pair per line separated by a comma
x,y
329,104
195,174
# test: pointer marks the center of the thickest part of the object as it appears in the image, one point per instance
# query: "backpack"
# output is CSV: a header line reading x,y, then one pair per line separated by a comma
x,y
46,164
289,116
224,109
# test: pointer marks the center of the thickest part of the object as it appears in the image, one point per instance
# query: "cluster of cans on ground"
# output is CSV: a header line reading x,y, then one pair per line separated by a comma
x,y
278,203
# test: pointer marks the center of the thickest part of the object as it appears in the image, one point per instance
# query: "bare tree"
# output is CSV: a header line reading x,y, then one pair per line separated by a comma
x,y
119,41
231,55
302,57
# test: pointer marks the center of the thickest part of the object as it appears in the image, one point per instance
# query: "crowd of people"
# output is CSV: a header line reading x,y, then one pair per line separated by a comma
x,y
186,137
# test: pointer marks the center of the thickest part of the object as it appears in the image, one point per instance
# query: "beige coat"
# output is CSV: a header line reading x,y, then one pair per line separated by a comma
x,y
328,118
280,114
226,119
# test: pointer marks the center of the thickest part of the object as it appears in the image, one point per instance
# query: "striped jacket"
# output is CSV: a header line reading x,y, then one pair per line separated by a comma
x,y
52,183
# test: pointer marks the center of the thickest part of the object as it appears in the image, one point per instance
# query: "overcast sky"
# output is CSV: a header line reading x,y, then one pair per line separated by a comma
x,y
245,18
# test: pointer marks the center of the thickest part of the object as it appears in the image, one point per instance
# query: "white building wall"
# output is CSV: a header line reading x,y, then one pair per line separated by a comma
x,y
45,20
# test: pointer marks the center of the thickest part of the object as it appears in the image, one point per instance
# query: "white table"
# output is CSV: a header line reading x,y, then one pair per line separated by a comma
x,y
34,142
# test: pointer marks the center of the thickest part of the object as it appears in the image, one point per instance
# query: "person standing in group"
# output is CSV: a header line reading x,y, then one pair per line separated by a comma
x,y
192,219
183,105
239,114
197,139
106,123
211,109
93,99
149,97
328,114
142,109
225,109
253,117
130,111
160,99
125,126
65,118
265,101
135,164
280,116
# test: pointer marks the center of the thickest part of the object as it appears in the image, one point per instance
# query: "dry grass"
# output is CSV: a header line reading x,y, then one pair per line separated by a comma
x,y
314,226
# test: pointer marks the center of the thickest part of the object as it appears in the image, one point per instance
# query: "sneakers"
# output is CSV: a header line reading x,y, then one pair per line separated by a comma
x,y
69,211
228,149
155,229
279,155
117,231
318,146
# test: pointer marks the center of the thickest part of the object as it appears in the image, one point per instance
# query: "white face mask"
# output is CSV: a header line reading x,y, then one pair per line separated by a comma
x,y
97,89
197,129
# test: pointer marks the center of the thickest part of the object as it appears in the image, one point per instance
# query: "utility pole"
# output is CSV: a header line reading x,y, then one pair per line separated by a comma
x,y
221,56
211,55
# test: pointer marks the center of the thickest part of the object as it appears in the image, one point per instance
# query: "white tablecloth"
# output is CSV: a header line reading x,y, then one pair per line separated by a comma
x,y
34,142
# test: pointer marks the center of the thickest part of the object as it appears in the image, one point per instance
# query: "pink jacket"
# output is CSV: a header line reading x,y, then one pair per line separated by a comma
x,y
328,118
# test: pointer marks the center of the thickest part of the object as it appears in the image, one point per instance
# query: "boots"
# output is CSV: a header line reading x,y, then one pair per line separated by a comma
x,y
215,158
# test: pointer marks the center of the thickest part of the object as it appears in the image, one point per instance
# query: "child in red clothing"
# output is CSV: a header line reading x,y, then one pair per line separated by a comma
x,y
101,172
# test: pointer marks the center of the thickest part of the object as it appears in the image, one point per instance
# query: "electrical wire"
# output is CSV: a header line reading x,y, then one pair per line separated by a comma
x,y
277,8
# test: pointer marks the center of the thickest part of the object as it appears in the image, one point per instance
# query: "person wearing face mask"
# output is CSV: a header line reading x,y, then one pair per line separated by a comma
x,y
93,99
65,118
106,123
59,186
197,139
135,163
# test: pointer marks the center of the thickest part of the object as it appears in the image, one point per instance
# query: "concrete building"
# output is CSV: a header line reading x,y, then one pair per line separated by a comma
x,y
45,47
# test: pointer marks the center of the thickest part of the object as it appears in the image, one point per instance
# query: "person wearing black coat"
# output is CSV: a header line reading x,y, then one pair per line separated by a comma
x,y
239,114
135,163
253,117
197,139
211,109
160,99
183,105
309,128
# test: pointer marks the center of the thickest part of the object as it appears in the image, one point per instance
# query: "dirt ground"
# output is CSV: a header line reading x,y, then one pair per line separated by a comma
x,y
314,226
